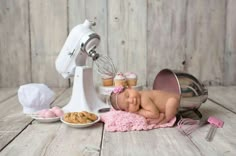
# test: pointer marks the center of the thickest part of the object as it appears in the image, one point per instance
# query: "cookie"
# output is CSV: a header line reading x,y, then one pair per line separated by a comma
x,y
90,116
80,117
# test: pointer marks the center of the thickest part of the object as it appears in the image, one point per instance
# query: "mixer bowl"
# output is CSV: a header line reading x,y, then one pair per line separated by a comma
x,y
193,93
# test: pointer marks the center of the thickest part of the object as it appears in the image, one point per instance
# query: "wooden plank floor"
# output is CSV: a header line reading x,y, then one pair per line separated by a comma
x,y
20,135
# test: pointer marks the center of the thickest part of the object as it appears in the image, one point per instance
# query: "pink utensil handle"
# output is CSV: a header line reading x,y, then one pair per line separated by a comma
x,y
215,121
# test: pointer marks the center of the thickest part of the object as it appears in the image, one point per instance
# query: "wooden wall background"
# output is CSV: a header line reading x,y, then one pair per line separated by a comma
x,y
144,36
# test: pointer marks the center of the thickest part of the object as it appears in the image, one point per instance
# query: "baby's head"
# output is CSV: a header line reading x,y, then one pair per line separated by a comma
x,y
125,99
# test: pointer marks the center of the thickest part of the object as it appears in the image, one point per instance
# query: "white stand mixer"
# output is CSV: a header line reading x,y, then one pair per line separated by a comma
x,y
81,42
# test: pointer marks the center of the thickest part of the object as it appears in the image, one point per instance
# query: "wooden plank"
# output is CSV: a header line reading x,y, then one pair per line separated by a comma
x,y
12,120
155,29
127,36
56,139
14,43
76,12
6,93
165,142
224,96
205,40
117,32
166,36
48,30
230,47
225,139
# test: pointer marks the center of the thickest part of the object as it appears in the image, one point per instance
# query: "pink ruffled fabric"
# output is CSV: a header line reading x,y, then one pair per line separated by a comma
x,y
120,121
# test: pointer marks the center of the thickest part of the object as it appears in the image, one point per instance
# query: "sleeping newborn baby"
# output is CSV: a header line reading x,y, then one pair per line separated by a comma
x,y
151,104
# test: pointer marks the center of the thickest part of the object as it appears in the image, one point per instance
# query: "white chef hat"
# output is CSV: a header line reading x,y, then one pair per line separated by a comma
x,y
34,97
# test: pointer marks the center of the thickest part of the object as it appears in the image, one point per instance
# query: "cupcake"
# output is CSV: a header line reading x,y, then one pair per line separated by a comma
x,y
107,80
120,80
131,78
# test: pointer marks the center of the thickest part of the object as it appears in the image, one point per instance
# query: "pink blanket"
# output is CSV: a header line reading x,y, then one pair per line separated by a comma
x,y
121,121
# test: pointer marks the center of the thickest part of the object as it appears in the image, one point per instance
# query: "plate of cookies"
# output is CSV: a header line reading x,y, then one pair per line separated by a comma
x,y
80,119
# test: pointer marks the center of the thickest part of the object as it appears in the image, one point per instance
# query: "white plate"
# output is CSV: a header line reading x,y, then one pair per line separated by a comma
x,y
80,125
46,120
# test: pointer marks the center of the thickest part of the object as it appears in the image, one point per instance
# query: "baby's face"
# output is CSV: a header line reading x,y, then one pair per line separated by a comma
x,y
129,100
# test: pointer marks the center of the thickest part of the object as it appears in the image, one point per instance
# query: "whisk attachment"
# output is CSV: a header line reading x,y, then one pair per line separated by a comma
x,y
105,66
187,125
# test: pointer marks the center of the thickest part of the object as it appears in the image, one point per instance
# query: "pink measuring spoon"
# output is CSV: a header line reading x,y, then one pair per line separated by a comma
x,y
215,123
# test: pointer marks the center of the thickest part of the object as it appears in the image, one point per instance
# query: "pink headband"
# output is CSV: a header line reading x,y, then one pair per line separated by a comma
x,y
117,91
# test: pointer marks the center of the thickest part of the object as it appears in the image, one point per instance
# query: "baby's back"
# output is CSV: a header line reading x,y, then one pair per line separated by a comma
x,y
160,98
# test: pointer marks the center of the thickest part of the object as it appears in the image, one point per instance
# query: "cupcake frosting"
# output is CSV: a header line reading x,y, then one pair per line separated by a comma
x,y
130,75
107,76
119,76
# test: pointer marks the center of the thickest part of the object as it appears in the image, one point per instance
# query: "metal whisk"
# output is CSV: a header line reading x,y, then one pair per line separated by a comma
x,y
105,66
187,125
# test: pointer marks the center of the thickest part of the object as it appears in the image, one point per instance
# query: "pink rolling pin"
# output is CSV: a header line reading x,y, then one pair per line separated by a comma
x,y
215,123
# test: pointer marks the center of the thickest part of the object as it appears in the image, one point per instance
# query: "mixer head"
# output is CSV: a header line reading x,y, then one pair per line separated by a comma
x,y
80,43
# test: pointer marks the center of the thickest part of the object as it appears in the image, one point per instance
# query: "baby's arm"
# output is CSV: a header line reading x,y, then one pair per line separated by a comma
x,y
171,109
148,108
148,113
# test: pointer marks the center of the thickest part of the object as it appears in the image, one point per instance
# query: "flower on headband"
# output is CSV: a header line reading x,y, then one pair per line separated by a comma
x,y
118,89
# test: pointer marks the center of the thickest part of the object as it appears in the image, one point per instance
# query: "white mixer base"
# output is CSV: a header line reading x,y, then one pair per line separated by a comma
x,y
84,96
